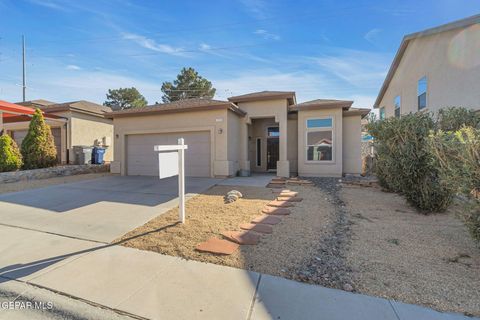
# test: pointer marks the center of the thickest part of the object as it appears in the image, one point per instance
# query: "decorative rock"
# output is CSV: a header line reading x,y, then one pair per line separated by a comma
x,y
235,192
279,204
347,287
277,181
262,228
288,194
289,199
266,219
242,237
218,246
276,211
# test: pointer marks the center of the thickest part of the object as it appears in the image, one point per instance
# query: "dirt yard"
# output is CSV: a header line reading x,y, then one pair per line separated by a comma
x,y
284,252
33,184
400,254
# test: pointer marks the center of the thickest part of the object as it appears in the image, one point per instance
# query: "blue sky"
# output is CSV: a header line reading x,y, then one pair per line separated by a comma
x,y
320,49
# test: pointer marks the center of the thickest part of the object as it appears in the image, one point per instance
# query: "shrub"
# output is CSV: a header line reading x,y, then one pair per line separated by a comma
x,y
38,147
10,156
454,118
404,162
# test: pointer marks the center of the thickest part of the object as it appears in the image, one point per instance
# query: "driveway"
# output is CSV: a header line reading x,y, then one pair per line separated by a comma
x,y
97,210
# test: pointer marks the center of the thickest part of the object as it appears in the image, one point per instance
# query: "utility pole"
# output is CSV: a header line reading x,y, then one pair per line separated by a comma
x,y
24,82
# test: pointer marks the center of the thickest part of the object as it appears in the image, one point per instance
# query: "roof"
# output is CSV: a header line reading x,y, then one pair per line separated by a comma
x,y
36,103
322,104
264,95
357,112
195,104
12,110
82,106
463,23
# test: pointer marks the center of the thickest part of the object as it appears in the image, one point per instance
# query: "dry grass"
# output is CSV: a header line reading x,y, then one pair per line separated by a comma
x,y
400,254
40,183
282,253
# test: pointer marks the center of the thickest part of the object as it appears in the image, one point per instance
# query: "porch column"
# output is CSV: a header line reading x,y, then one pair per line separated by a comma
x,y
244,161
283,166
1,121
63,144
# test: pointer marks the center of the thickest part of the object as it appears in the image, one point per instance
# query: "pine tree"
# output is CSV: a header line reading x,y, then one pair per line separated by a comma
x,y
10,156
38,146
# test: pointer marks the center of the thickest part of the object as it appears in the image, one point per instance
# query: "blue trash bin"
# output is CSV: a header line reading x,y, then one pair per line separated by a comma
x,y
97,155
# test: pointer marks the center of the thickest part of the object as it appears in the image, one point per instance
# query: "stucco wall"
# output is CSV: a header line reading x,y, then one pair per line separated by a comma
x,y
327,168
233,145
451,63
212,120
276,109
352,135
292,144
86,129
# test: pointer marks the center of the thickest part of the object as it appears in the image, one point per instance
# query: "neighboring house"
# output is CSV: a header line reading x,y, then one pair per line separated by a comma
x,y
433,69
84,123
257,132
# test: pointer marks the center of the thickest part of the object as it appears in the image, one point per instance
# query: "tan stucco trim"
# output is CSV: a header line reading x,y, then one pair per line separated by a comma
x,y
123,138
143,112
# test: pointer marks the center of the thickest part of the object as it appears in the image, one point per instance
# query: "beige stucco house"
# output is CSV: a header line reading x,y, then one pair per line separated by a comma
x,y
433,69
73,124
258,132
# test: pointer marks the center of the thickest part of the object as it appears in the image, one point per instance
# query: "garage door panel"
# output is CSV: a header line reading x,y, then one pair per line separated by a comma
x,y
142,160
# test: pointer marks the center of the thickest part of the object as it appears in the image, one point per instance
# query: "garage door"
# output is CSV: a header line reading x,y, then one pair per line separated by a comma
x,y
143,161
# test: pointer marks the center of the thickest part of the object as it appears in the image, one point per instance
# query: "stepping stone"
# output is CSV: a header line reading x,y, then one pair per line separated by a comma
x,y
289,199
218,246
279,204
276,211
277,181
288,194
242,237
262,228
266,219
278,190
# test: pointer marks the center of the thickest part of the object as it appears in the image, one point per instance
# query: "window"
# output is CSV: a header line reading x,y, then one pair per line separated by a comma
x,y
319,141
382,113
259,152
422,93
273,132
396,103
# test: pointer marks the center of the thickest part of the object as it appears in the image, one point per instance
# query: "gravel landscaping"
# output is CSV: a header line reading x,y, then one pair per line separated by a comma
x,y
401,254
287,252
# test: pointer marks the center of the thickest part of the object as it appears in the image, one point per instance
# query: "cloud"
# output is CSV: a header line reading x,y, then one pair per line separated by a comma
x,y
358,68
267,35
153,45
205,47
73,67
51,4
371,35
256,8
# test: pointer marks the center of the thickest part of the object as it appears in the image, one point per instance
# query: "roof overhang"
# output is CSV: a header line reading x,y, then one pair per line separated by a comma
x,y
11,111
323,105
155,110
290,96
363,112
408,38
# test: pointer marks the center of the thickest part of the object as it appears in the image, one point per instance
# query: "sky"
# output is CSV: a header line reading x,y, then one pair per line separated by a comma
x,y
77,50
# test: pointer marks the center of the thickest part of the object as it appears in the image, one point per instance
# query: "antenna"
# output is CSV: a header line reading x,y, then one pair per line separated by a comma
x,y
24,82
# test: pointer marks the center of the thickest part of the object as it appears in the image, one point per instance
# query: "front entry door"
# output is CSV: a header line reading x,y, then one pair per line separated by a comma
x,y
272,153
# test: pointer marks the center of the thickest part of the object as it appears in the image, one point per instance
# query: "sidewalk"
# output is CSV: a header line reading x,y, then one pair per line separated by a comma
x,y
155,286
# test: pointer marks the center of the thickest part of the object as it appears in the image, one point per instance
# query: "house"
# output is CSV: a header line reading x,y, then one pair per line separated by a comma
x,y
82,123
433,69
258,132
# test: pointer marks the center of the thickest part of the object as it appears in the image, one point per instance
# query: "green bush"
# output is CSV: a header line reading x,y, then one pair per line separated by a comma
x,y
404,161
10,156
454,118
38,146
457,154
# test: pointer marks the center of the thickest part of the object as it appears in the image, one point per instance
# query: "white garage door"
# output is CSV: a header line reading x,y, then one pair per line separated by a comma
x,y
143,161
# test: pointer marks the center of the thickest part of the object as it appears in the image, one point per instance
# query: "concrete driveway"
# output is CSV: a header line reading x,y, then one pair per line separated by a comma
x,y
97,210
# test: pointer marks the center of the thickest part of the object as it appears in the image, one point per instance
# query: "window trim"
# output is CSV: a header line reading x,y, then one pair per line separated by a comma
x,y
426,93
258,155
332,129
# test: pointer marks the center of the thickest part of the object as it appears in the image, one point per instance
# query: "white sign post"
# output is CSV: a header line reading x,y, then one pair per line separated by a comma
x,y
171,162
